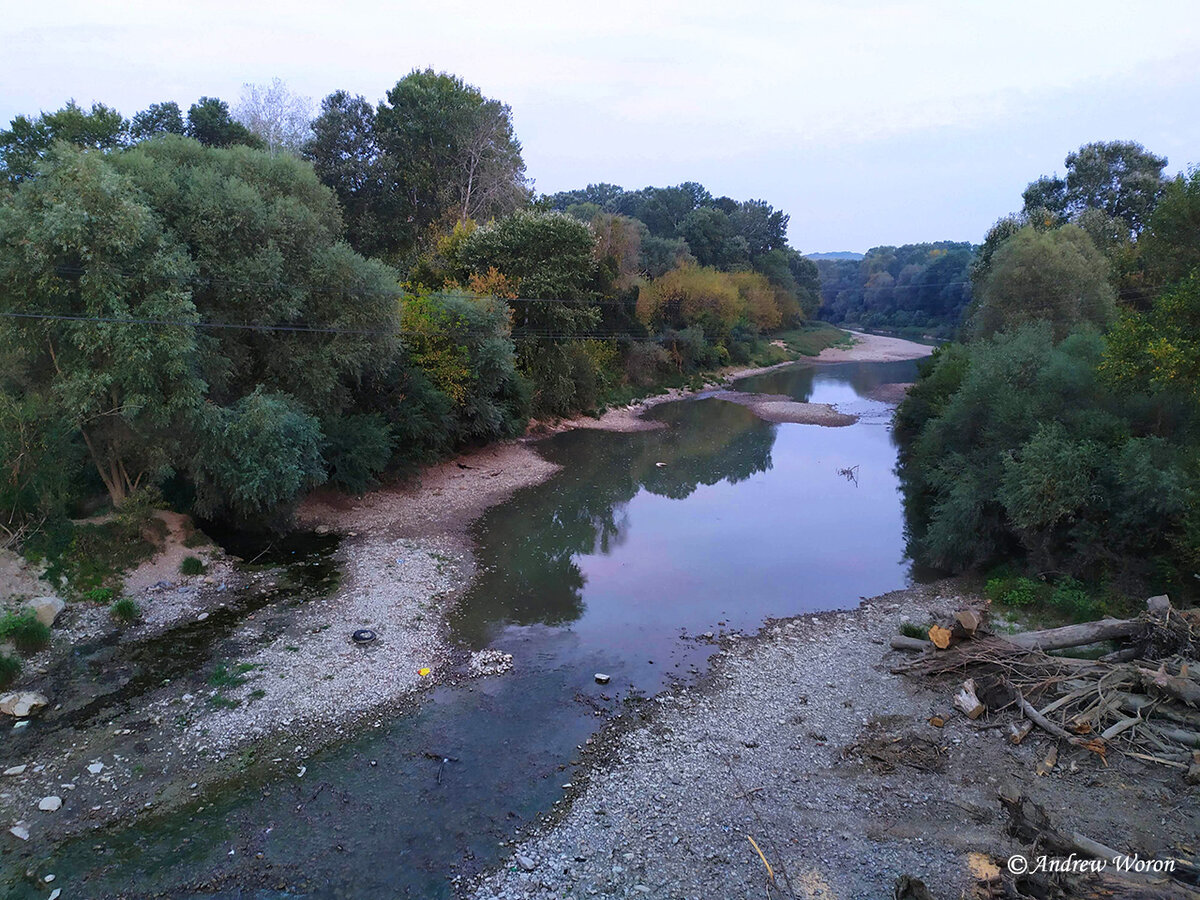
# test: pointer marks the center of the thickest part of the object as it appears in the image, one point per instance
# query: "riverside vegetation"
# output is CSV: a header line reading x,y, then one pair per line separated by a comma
x,y
220,310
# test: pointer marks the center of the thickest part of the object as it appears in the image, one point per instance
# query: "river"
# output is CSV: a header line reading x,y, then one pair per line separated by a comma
x,y
632,561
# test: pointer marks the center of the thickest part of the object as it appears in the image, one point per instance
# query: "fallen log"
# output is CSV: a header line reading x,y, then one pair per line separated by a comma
x,y
1076,635
1177,686
914,645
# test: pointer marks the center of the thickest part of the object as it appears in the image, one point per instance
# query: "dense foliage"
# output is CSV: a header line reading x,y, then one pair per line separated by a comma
x,y
228,309
1065,432
917,289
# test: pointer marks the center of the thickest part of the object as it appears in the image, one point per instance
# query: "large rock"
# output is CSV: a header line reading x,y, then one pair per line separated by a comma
x,y
22,703
46,609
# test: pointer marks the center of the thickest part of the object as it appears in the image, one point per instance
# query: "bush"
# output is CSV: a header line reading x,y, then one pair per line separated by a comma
x,y
26,632
99,595
10,668
191,565
126,610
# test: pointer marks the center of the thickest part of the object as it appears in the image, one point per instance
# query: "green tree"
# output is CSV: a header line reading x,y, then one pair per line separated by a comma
x,y
1170,246
255,457
209,122
453,153
346,156
156,119
80,242
1056,276
28,140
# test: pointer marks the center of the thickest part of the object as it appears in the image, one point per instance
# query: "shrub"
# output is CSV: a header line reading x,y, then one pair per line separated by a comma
x,y
98,595
1072,599
1022,593
126,611
26,632
191,565
10,668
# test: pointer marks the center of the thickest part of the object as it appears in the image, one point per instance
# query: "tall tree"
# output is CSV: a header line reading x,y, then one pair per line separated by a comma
x,y
452,151
346,156
1120,178
1058,277
79,242
281,119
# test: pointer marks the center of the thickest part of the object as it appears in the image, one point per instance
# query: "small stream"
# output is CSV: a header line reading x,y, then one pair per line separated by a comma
x,y
631,561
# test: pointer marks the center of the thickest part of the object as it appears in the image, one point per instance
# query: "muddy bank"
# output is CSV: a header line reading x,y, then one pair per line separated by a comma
x,y
770,746
891,393
781,408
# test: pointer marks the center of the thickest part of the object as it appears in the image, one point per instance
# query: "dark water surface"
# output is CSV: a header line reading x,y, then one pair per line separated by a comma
x,y
622,563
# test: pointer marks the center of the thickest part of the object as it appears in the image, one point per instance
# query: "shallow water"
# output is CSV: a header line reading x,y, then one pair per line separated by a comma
x,y
642,544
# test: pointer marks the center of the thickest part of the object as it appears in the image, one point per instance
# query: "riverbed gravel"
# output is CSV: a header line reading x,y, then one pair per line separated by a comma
x,y
761,755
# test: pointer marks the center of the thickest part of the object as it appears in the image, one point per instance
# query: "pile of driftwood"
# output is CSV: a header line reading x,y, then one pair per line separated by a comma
x,y
1142,699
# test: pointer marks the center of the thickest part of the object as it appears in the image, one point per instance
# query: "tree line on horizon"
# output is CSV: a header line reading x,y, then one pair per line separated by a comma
x,y
229,306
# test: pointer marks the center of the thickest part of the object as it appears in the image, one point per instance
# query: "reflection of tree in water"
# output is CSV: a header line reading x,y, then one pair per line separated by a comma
x,y
528,547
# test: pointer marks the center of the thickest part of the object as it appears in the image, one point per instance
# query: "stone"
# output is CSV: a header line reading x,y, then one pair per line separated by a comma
x,y
55,894
47,609
96,768
322,529
48,878
601,678
15,770
22,703
19,831
50,804
526,863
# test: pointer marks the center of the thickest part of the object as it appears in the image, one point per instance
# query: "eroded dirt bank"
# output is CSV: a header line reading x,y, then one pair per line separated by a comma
x,y
774,745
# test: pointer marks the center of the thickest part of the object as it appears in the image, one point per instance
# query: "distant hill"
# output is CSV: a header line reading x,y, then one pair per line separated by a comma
x,y
836,254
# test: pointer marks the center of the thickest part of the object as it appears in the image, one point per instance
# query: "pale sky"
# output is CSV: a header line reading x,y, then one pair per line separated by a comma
x,y
869,122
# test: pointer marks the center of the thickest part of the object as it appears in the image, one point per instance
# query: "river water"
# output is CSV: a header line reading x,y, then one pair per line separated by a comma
x,y
631,561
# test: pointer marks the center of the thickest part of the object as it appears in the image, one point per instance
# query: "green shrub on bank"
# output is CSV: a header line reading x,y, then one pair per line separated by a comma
x,y
191,565
126,611
10,669
25,631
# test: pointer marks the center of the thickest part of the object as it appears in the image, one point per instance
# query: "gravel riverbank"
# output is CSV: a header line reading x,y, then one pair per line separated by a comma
x,y
768,747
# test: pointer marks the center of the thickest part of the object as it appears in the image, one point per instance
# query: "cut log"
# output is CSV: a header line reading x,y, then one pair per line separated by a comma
x,y
914,645
1018,731
1076,635
940,636
970,619
968,702
1136,703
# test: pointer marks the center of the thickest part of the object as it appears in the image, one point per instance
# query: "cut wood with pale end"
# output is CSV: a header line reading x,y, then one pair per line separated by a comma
x,y
968,702
1018,731
971,620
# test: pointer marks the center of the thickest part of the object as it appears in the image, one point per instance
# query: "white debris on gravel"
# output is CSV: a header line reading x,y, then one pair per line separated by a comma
x,y
489,662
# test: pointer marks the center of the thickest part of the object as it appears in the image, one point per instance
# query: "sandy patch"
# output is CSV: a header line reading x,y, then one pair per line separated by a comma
x,y
781,408
874,348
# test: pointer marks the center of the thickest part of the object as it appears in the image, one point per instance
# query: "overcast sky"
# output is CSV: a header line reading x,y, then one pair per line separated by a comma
x,y
869,122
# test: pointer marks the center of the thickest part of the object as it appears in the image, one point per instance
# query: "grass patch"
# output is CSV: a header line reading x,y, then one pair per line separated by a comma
x,y
191,565
813,337
10,668
1064,599
197,539
25,631
91,556
99,595
913,630
126,611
